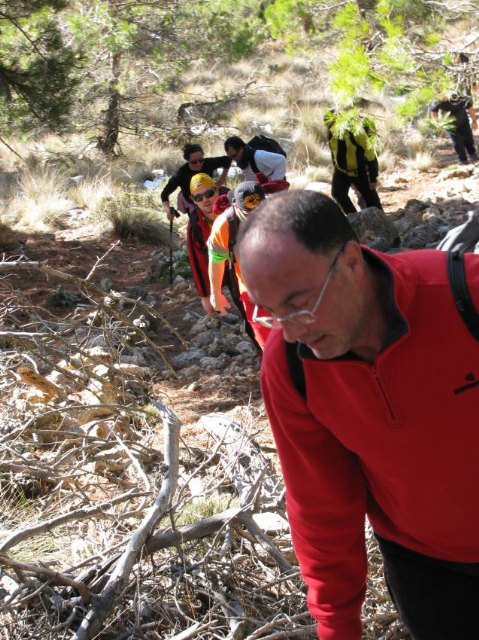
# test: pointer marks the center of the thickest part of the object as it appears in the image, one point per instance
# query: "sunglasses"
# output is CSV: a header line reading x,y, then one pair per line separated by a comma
x,y
199,161
209,193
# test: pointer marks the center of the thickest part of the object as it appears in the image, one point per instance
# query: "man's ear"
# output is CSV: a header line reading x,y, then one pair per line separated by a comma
x,y
353,259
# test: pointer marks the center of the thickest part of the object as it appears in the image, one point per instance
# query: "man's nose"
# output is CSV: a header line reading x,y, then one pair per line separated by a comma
x,y
292,332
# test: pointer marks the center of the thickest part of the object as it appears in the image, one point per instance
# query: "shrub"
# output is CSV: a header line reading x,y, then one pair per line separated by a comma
x,y
136,215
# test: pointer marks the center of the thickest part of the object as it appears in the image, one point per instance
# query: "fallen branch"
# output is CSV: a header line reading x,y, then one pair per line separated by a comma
x,y
100,260
79,514
243,459
96,293
15,265
103,605
54,576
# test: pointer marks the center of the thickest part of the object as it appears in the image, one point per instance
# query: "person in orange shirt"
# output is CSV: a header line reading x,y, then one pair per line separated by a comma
x,y
244,199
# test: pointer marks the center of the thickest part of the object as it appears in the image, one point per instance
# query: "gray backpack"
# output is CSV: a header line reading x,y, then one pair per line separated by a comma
x,y
458,241
465,237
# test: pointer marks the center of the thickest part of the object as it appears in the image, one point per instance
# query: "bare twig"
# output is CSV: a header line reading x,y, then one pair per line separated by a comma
x,y
100,260
55,576
102,608
79,514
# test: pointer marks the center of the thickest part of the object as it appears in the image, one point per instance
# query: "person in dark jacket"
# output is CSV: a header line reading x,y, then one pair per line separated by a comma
x,y
195,163
460,108
355,162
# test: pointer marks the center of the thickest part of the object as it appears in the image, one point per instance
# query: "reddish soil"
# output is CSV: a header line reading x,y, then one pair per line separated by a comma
x,y
128,265
77,250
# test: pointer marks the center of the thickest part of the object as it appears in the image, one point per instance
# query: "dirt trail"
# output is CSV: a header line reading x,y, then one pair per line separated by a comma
x,y
129,265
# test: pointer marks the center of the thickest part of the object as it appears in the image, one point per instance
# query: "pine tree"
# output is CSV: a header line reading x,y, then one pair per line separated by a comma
x,y
37,69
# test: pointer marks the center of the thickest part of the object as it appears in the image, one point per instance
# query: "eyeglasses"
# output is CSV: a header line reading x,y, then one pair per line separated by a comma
x,y
303,316
197,161
209,193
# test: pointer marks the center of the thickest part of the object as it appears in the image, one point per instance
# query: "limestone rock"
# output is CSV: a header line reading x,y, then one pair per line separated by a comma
x,y
374,228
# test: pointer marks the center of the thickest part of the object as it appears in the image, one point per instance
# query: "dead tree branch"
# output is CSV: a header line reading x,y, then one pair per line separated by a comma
x,y
103,606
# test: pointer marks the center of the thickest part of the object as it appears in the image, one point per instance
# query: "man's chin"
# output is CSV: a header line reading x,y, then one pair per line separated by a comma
x,y
326,348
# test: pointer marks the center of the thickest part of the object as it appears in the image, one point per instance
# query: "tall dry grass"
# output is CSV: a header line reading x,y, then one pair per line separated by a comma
x,y
284,98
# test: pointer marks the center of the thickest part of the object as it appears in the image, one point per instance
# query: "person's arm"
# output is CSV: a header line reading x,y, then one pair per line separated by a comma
x,y
222,178
199,267
273,165
216,163
326,502
370,158
218,254
216,271
472,114
170,187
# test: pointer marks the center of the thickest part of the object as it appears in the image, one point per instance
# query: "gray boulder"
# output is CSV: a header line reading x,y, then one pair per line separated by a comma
x,y
374,228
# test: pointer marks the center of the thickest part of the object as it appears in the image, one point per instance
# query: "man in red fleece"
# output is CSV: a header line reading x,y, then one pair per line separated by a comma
x,y
387,427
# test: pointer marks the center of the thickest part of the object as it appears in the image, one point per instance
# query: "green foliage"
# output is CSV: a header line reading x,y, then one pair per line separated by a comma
x,y
349,21
134,52
440,126
350,75
405,10
60,297
228,31
102,22
392,63
429,85
288,18
352,120
351,72
37,70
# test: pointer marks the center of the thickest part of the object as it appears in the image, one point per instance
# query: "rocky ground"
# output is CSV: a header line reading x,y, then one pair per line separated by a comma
x,y
218,369
129,338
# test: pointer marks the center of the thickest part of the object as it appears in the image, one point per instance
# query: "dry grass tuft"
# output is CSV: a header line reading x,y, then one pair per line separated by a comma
x,y
88,194
386,160
422,161
40,202
135,215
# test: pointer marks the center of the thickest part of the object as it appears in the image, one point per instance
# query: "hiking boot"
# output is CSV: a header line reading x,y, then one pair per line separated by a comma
x,y
474,158
463,161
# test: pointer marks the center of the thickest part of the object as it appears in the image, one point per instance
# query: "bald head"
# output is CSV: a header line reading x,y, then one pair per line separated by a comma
x,y
315,221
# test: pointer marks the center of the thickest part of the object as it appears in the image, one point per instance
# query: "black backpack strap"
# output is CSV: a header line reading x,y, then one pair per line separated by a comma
x,y
460,292
295,367
233,228
252,162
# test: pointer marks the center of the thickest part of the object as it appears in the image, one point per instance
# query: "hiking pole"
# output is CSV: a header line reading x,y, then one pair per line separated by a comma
x,y
176,215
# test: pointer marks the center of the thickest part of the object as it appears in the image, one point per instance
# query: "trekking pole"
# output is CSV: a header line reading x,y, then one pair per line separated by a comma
x,y
176,215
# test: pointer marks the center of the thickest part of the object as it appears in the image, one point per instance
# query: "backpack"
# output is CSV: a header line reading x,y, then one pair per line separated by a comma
x,y
463,238
233,228
264,144
462,299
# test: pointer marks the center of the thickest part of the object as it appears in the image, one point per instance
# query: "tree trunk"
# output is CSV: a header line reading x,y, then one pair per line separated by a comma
x,y
109,140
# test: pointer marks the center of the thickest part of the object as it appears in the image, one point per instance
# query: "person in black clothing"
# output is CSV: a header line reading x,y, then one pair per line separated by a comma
x,y
461,109
355,162
195,163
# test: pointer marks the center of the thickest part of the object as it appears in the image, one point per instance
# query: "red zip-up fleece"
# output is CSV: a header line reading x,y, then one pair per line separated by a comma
x,y
397,440
197,233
